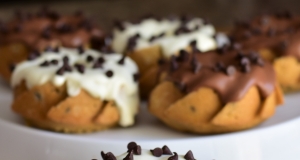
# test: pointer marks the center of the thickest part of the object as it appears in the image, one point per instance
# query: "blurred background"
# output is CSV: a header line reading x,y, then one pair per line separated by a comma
x,y
222,13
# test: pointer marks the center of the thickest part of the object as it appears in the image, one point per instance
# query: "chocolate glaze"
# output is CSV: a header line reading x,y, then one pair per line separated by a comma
x,y
47,28
279,33
224,73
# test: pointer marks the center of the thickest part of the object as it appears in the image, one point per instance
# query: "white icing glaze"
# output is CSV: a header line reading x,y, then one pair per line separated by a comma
x,y
170,43
147,155
120,87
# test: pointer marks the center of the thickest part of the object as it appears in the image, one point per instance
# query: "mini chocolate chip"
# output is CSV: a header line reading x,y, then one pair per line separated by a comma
x,y
66,59
119,25
48,49
67,68
222,49
283,45
86,25
195,65
97,65
89,58
129,156
183,55
156,37
33,55
54,62
253,56
137,150
108,156
45,64
219,67
245,61
11,67
46,33
240,55
230,70
193,43
131,145
166,150
109,73
157,152
236,46
101,60
161,35
136,36
38,96
181,86
122,60
131,44
103,155
182,30
152,38
259,61
246,68
185,18
80,50
136,77
174,157
108,39
56,49
189,155
60,71
174,64
106,49
80,68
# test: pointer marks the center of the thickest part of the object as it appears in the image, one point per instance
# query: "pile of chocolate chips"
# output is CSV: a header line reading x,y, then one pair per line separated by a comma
x,y
134,149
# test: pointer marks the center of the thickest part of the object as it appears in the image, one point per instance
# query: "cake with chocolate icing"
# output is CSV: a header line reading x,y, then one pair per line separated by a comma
x,y
151,39
44,30
135,152
277,38
74,90
219,91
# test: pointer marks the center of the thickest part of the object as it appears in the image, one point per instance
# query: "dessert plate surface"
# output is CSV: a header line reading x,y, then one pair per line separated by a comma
x,y
276,139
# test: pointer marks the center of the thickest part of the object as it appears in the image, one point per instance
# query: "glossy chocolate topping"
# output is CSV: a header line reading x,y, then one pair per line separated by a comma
x,y
279,33
47,28
229,72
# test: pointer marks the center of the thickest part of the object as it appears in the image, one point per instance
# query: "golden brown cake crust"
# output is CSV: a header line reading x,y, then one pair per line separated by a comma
x,y
203,112
49,107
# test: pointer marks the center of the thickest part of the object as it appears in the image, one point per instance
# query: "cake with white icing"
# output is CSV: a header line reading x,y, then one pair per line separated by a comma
x,y
100,76
135,152
151,40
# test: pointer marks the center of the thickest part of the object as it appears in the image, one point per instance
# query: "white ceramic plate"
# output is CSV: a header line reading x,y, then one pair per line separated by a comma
x,y
276,139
